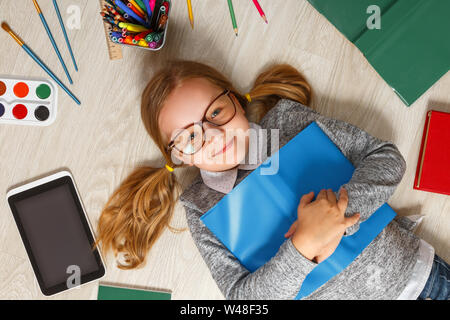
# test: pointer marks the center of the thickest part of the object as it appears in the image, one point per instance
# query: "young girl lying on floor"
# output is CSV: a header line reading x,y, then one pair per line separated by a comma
x,y
195,116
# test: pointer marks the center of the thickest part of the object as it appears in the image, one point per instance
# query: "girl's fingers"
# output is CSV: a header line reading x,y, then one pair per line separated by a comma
x,y
343,200
331,196
322,195
291,230
352,220
306,199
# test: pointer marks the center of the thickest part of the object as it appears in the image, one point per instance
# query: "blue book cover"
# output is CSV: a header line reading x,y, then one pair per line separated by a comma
x,y
252,219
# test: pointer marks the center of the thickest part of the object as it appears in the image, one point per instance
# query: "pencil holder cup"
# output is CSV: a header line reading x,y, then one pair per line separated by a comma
x,y
154,40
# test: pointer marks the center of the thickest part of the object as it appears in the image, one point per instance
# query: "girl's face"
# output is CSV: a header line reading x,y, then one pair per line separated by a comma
x,y
219,147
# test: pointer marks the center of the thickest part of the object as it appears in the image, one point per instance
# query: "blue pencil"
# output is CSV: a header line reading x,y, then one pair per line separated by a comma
x,y
35,58
55,4
44,22
149,10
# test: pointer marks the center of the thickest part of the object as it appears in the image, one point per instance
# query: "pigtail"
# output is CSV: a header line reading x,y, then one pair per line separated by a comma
x,y
278,82
137,213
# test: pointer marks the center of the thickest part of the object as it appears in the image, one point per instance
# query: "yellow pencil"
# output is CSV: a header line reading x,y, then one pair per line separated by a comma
x,y
191,15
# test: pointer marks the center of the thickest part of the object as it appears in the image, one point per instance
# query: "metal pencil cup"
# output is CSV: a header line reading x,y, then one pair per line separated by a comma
x,y
163,38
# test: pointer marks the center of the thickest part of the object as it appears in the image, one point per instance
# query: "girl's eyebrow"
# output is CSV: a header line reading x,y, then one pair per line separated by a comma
x,y
210,103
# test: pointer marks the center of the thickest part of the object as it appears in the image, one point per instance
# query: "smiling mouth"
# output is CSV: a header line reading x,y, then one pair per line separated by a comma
x,y
225,148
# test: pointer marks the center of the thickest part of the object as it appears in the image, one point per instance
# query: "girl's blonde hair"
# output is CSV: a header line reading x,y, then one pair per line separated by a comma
x,y
142,207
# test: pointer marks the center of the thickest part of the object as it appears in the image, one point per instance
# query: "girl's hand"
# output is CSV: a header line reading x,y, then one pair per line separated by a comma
x,y
328,250
291,230
320,224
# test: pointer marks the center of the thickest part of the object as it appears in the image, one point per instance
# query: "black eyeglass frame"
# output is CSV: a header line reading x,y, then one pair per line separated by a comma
x,y
171,144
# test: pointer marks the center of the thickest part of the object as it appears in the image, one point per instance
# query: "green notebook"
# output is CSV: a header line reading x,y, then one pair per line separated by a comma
x,y
410,52
106,292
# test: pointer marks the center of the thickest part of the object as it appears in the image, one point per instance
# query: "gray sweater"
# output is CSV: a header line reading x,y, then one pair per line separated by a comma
x,y
381,271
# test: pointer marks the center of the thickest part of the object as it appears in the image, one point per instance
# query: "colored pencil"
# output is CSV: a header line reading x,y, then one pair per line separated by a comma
x,y
162,22
55,4
152,5
260,10
136,11
116,15
233,17
142,5
131,13
149,10
132,27
108,18
138,8
141,35
166,5
191,15
49,33
161,11
38,61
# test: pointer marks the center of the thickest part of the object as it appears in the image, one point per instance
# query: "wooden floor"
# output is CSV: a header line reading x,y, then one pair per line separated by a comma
x,y
101,141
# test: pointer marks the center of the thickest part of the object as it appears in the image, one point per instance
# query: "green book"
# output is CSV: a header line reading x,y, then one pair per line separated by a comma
x,y
107,292
411,50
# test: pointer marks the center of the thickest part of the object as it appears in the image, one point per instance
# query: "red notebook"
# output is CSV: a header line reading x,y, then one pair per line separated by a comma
x,y
433,167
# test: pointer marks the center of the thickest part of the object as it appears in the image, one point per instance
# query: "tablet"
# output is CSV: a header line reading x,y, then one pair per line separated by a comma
x,y
56,233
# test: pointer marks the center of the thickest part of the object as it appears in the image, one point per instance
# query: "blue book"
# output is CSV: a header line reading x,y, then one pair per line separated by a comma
x,y
252,219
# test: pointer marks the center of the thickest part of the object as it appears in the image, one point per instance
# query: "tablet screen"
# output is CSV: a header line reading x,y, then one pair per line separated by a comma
x,y
56,235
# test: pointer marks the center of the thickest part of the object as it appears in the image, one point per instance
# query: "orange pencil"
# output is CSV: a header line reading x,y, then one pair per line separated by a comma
x,y
134,3
135,10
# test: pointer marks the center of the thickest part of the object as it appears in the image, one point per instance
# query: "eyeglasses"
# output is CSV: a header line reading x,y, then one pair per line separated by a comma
x,y
192,137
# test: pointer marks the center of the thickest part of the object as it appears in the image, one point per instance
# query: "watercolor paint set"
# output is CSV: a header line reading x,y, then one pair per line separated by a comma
x,y
28,101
